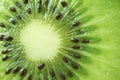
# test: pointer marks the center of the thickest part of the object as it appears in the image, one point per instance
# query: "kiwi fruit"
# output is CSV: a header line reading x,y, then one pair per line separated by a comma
x,y
59,39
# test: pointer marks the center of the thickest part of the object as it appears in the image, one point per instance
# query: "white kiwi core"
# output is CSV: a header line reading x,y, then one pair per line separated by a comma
x,y
40,40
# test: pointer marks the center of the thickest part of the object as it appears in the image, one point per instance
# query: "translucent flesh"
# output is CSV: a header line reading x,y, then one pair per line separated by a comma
x,y
101,58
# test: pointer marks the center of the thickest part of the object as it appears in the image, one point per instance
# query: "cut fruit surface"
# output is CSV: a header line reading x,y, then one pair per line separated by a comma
x,y
40,40
59,40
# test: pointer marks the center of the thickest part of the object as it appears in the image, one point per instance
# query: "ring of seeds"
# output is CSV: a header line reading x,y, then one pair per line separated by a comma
x,y
45,14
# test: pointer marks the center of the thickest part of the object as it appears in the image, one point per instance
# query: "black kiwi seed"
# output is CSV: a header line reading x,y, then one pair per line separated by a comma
x,y
75,66
29,10
77,56
12,9
52,73
69,73
11,20
58,16
4,58
65,59
4,51
76,47
85,41
17,69
76,23
2,25
17,4
8,38
30,77
25,1
1,37
75,40
64,4
8,70
41,66
23,72
62,76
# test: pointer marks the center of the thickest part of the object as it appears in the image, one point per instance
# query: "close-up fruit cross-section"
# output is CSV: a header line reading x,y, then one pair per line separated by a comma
x,y
59,40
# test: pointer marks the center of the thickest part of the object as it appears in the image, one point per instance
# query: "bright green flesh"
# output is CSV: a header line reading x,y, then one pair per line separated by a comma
x,y
105,64
101,57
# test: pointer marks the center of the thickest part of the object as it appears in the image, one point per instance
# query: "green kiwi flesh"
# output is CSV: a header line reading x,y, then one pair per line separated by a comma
x,y
59,40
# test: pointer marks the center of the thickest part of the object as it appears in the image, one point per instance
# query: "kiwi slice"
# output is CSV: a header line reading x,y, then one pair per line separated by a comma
x,y
59,40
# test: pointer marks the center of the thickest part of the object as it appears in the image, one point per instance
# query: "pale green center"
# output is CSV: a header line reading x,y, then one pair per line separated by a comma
x,y
40,41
